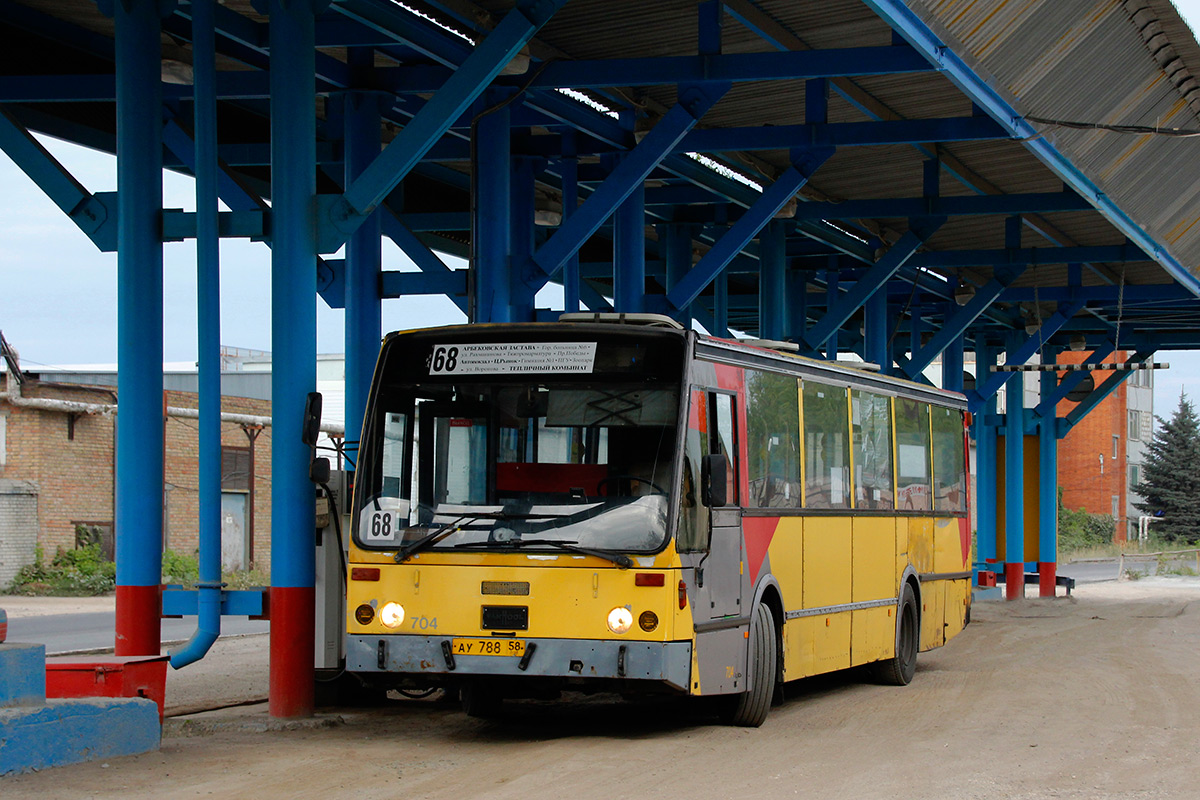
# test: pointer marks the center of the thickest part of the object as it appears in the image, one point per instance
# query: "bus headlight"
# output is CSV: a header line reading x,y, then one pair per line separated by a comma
x,y
620,619
392,615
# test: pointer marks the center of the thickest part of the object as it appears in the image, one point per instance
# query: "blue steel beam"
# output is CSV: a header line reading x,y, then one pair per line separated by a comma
x,y
452,283
1098,395
945,206
180,225
844,134
434,119
1156,295
671,70
949,259
773,198
962,319
425,259
842,308
988,385
83,208
693,103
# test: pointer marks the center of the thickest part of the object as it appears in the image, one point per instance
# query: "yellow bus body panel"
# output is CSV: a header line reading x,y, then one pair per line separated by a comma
x,y
933,604
569,597
875,572
873,634
828,549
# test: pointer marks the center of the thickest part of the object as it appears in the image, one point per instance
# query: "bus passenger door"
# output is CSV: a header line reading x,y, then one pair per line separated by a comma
x,y
719,575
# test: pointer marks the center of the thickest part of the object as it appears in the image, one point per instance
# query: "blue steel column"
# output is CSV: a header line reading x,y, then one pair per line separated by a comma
x,y
1048,488
876,324
677,253
294,353
569,169
1014,485
139,491
208,337
629,253
364,322
832,278
952,365
721,304
521,214
772,282
490,215
986,451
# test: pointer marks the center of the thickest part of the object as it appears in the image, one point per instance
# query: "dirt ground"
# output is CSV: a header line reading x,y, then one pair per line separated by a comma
x,y
1088,697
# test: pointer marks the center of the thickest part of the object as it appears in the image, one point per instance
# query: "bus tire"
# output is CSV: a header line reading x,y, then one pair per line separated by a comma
x,y
479,700
749,709
899,669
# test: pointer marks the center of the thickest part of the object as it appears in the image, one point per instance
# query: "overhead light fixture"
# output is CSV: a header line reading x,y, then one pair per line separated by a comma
x,y
546,213
1032,326
519,64
788,211
963,293
177,72
1078,342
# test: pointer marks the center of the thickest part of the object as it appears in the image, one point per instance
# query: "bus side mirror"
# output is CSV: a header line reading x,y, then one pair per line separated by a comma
x,y
713,480
318,471
312,419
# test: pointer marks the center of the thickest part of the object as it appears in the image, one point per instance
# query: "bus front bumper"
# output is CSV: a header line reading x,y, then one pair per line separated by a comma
x,y
664,662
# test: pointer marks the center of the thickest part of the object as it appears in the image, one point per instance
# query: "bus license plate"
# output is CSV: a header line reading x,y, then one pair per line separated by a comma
x,y
488,647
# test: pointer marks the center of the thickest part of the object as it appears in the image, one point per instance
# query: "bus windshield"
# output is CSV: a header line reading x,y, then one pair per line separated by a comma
x,y
530,465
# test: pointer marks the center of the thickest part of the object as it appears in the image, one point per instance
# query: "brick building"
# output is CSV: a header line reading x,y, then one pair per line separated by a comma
x,y
57,465
1100,460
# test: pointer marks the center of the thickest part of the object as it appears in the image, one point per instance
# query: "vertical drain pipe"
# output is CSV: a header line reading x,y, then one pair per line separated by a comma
x,y
208,315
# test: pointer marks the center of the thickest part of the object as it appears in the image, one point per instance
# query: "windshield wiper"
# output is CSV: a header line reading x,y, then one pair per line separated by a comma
x,y
430,538
621,560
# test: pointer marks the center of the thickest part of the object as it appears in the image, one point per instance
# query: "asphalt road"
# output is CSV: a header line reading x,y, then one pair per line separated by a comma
x,y
67,633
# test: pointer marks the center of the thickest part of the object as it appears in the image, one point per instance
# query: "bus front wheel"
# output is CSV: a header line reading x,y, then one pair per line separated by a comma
x,y
899,669
479,700
749,709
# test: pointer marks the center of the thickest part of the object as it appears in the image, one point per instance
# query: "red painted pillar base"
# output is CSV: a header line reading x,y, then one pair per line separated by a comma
x,y
1014,581
1047,578
292,631
139,609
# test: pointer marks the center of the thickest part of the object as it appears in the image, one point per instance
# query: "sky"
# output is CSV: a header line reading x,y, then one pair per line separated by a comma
x,y
58,302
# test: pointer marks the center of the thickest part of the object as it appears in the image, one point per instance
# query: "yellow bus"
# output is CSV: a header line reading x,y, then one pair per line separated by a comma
x,y
637,508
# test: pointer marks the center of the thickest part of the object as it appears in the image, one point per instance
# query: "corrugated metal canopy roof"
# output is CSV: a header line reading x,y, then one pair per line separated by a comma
x,y
1127,62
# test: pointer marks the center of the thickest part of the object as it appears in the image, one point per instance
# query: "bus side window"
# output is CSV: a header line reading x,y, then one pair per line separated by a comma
x,y
722,441
693,528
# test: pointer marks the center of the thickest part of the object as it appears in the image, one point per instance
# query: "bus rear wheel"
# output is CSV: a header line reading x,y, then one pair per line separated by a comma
x,y
899,669
749,709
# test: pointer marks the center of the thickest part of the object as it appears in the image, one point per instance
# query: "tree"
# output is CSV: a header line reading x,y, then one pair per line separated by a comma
x,y
1171,476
